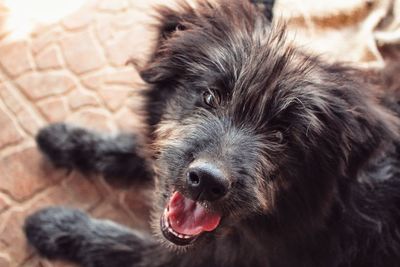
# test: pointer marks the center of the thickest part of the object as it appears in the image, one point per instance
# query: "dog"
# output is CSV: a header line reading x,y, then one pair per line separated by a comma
x,y
260,155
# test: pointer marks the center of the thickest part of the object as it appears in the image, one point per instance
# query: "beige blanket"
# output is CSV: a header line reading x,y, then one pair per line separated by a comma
x,y
365,32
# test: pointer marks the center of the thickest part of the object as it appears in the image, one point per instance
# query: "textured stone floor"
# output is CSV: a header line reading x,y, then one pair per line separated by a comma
x,y
73,70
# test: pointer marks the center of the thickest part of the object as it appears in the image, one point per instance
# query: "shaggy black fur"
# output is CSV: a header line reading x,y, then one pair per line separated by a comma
x,y
309,154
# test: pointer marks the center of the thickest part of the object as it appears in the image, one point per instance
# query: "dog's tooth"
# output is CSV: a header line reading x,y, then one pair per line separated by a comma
x,y
172,231
175,233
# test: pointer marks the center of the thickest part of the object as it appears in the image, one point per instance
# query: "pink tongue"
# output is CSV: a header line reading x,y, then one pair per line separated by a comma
x,y
188,217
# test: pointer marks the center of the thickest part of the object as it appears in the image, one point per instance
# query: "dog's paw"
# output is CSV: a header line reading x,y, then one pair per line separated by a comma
x,y
57,233
56,143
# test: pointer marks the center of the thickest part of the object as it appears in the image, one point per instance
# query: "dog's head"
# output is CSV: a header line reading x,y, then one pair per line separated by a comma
x,y
247,126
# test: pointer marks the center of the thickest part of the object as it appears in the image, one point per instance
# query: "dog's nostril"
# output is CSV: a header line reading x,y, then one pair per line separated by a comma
x,y
193,179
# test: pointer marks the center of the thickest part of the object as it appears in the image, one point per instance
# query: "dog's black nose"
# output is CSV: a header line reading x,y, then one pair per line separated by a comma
x,y
205,181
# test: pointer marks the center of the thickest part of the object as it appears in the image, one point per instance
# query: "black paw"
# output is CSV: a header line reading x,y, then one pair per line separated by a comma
x,y
57,233
67,146
115,157
54,142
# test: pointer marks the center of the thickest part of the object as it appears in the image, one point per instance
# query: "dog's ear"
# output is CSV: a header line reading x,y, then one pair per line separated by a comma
x,y
169,21
343,120
376,128
367,126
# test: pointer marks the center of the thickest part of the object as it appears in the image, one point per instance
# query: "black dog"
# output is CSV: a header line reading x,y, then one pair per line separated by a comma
x,y
263,156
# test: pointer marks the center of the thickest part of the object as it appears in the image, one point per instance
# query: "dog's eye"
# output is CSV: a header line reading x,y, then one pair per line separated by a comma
x,y
212,98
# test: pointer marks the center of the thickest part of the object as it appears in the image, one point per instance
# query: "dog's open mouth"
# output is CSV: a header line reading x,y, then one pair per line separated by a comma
x,y
184,220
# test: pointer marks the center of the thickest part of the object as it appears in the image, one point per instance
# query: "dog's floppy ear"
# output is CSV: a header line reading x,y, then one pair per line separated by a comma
x,y
266,6
169,22
377,127
344,120
367,126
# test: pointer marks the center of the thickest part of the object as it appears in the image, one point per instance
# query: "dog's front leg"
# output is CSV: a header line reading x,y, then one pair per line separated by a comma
x,y
119,158
71,235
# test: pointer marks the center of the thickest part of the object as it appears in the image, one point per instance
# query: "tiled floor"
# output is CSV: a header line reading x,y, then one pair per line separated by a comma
x,y
73,70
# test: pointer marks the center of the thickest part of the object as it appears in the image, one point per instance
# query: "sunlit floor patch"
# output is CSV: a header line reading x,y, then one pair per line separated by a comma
x,y
23,16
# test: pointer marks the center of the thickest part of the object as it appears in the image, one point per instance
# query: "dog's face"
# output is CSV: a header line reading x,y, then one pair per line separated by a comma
x,y
247,126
